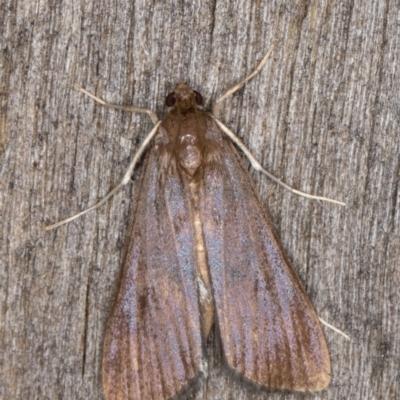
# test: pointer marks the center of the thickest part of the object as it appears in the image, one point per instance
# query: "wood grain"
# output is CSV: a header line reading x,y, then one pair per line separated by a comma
x,y
323,115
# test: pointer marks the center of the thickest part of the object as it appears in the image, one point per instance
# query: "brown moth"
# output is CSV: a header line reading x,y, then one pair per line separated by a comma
x,y
201,250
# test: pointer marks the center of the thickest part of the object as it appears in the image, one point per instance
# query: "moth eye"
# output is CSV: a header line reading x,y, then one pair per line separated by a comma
x,y
198,97
170,100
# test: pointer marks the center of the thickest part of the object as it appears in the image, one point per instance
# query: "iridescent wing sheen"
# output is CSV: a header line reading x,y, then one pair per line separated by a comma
x,y
269,330
153,346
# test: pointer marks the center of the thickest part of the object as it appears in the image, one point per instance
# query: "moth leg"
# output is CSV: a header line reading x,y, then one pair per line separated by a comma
x,y
123,181
257,166
151,113
337,330
240,84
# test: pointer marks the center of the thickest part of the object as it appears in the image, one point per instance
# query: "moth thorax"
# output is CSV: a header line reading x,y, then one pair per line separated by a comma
x,y
190,153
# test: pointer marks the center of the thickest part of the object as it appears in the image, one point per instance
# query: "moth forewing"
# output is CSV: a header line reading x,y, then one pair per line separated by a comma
x,y
269,330
154,347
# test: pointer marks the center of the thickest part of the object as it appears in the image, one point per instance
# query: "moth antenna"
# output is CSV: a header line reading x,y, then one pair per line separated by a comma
x,y
240,84
151,113
334,328
123,181
257,166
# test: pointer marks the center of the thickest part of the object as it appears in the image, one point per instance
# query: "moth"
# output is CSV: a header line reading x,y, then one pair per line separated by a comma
x,y
201,250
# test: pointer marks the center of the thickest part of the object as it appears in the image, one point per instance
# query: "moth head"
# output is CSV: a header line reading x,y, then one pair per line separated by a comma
x,y
184,97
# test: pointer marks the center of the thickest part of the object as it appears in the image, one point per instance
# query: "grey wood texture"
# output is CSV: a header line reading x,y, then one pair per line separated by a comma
x,y
323,115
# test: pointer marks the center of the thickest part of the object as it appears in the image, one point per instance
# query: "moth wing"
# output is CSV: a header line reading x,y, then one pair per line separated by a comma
x,y
153,347
269,330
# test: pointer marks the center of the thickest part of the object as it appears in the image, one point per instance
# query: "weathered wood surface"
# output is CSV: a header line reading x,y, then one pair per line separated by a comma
x,y
323,115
